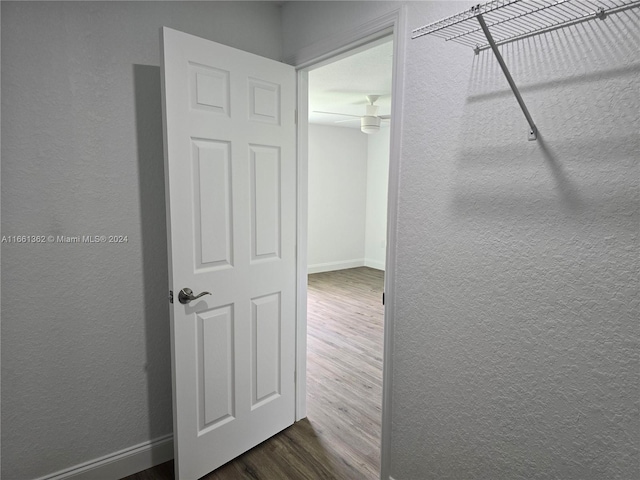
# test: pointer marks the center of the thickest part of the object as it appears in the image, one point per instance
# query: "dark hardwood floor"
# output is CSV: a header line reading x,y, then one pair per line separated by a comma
x,y
340,438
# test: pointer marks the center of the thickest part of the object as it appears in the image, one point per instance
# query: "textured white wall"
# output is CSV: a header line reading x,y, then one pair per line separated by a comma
x,y
516,335
85,334
377,182
516,351
337,197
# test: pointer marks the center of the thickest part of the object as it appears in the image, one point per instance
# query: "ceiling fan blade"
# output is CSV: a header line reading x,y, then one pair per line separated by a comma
x,y
335,113
385,117
350,120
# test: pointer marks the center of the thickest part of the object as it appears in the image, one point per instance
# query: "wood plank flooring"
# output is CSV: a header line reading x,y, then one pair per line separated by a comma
x,y
340,438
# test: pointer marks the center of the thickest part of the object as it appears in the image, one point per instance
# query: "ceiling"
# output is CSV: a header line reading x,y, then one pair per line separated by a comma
x,y
342,86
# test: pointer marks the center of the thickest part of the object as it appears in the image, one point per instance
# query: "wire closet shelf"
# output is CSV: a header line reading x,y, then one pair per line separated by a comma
x,y
511,20
497,22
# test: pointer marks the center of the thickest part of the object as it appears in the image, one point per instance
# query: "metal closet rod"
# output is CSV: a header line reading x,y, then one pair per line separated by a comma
x,y
533,130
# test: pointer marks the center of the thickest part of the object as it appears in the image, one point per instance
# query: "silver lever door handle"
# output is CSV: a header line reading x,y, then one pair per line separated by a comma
x,y
186,295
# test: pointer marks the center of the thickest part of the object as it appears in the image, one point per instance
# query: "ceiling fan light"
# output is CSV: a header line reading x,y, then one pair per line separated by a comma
x,y
369,124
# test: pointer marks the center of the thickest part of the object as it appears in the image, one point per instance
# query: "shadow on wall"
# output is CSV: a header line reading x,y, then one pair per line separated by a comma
x,y
569,79
149,133
614,73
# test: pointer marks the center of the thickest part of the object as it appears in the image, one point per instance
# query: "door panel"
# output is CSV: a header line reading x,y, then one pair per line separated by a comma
x,y
265,352
231,199
265,202
212,203
216,378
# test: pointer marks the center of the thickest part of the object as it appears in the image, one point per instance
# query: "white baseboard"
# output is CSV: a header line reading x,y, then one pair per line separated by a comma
x,y
330,266
374,264
120,464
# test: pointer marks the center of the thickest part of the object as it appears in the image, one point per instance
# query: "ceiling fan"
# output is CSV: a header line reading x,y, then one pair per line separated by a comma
x,y
370,121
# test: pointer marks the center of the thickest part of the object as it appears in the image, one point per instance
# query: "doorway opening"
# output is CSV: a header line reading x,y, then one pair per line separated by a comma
x,y
348,174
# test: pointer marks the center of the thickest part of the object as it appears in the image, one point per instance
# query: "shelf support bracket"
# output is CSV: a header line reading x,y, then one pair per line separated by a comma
x,y
533,131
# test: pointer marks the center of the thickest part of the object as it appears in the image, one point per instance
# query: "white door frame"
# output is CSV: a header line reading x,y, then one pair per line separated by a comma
x,y
393,23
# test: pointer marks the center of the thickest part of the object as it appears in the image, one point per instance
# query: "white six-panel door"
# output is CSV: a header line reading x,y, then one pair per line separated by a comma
x,y
230,173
